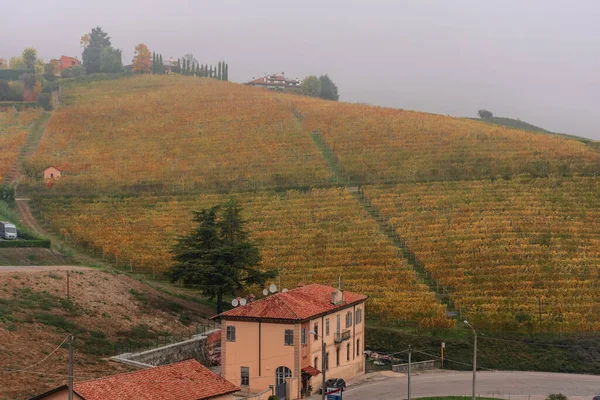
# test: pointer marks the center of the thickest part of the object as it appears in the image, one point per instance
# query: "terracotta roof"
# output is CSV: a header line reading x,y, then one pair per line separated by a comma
x,y
297,304
312,371
186,380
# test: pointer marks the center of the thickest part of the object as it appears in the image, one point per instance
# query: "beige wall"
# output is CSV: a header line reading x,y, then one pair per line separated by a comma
x,y
346,369
244,352
51,173
61,395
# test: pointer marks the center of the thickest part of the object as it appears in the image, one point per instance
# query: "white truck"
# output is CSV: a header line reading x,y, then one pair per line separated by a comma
x,y
8,231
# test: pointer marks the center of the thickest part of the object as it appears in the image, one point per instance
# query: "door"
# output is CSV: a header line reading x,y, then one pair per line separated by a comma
x,y
281,374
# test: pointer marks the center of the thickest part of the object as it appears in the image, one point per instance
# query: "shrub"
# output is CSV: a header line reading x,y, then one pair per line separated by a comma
x,y
557,396
50,87
273,397
16,91
45,100
77,71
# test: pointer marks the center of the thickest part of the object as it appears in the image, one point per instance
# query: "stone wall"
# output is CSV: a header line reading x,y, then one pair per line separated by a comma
x,y
200,347
416,366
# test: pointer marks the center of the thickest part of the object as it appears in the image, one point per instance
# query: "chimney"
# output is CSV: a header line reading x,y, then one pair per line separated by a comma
x,y
337,297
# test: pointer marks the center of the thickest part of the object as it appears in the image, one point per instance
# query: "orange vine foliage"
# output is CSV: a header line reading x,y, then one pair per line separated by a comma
x,y
316,236
509,250
14,127
383,145
173,134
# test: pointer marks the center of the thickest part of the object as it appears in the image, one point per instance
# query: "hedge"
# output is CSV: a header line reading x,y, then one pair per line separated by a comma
x,y
19,105
14,74
45,243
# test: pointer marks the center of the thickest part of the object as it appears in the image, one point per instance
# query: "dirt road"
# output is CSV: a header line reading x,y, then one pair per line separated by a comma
x,y
26,216
37,268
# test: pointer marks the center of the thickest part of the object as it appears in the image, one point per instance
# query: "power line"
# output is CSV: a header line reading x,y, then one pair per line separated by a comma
x,y
41,361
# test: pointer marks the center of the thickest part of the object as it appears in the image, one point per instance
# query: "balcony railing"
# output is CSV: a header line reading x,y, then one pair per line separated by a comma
x,y
341,336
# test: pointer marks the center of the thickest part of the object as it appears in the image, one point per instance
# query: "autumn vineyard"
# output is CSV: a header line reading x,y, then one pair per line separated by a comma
x,y
424,213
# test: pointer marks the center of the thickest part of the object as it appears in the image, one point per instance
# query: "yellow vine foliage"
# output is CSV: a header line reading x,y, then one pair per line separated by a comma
x,y
509,250
174,134
14,127
315,236
383,145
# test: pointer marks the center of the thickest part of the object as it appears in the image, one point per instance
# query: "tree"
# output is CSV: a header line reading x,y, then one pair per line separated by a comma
x,y
111,61
311,86
219,74
226,72
329,90
4,90
217,255
161,66
485,114
141,59
16,63
94,44
49,72
29,57
3,63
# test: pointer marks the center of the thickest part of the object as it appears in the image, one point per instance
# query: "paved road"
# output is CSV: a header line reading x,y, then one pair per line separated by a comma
x,y
498,384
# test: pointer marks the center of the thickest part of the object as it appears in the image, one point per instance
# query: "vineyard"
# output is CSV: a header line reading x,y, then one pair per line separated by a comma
x,y
501,224
382,145
522,254
176,135
14,127
316,236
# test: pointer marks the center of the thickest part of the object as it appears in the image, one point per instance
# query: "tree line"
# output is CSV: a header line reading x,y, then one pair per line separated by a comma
x,y
188,65
322,87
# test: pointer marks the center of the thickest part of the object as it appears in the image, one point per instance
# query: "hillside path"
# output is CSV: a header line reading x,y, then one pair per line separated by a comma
x,y
27,218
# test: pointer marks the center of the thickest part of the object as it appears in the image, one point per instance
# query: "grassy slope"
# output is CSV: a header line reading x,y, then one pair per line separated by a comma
x,y
105,310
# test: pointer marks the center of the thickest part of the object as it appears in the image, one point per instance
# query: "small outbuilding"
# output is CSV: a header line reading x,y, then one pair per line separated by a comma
x,y
52,172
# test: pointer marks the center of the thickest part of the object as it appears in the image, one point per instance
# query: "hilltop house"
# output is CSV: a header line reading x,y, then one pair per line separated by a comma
x,y
51,172
276,342
275,82
186,380
64,62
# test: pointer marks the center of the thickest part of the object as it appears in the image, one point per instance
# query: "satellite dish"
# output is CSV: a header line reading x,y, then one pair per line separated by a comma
x,y
243,302
284,290
272,288
234,302
265,292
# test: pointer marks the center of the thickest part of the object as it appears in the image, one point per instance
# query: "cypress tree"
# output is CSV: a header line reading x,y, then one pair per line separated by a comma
x,y
161,66
219,71
226,72
206,70
210,72
178,66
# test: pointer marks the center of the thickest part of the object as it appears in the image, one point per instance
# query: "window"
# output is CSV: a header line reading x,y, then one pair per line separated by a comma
x,y
316,365
337,357
338,325
231,333
289,337
327,327
358,347
316,330
358,316
245,375
348,319
281,373
348,352
303,335
326,361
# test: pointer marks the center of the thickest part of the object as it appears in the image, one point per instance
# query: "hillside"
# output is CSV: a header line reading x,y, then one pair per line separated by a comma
x,y
104,311
14,127
424,213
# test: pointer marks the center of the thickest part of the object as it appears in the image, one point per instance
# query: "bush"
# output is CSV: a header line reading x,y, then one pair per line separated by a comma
x,y
50,87
18,105
16,91
273,397
557,396
4,90
77,71
7,194
45,100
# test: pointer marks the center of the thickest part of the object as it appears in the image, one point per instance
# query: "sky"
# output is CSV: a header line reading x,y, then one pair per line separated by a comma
x,y
535,60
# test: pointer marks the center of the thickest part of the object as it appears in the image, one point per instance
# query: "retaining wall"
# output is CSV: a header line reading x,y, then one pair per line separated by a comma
x,y
416,366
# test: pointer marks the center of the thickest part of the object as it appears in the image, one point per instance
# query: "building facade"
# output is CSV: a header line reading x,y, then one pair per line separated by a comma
x,y
277,342
64,62
52,173
275,82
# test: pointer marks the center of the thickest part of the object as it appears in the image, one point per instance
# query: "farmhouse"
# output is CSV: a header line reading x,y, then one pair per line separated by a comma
x,y
51,172
64,62
278,341
274,82
186,380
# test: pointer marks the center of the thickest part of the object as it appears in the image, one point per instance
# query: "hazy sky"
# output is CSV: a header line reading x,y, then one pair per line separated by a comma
x,y
534,60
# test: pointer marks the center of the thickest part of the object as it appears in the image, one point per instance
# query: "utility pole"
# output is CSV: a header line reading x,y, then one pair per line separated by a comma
x,y
540,312
68,294
323,368
443,347
474,356
409,367
70,342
